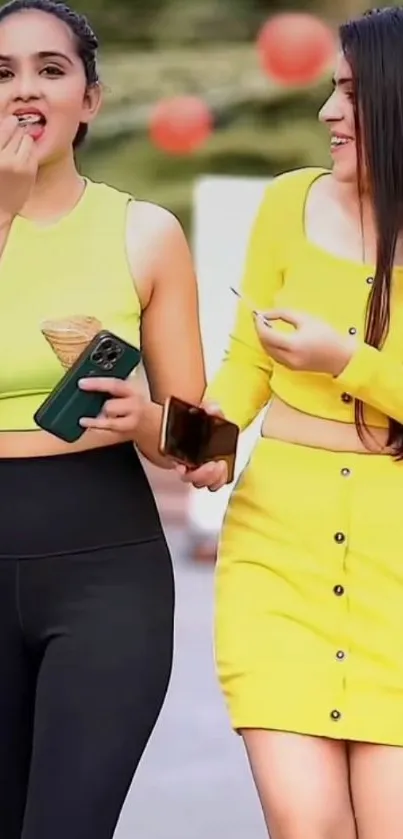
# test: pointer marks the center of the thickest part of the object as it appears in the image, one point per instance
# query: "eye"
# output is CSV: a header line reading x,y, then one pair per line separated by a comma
x,y
52,70
5,74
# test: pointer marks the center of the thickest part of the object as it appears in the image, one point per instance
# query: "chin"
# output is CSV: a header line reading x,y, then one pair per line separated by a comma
x,y
48,156
345,173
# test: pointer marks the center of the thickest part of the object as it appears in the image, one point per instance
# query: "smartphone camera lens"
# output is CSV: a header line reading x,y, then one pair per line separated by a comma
x,y
107,353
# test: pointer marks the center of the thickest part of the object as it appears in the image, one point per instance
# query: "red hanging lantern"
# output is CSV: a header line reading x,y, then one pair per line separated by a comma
x,y
295,48
180,124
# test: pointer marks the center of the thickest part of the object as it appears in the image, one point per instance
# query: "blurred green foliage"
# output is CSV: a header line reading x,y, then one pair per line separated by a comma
x,y
153,22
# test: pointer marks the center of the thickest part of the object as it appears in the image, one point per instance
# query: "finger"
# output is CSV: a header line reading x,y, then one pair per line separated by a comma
x,y
119,424
25,150
290,316
180,469
12,147
212,408
216,487
115,387
118,408
220,478
272,338
207,475
219,484
8,128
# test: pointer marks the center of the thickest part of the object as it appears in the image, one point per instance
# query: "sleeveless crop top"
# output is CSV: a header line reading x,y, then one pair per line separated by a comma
x,y
285,270
77,266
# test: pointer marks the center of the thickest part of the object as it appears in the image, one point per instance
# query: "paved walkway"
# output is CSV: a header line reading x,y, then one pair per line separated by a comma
x,y
193,782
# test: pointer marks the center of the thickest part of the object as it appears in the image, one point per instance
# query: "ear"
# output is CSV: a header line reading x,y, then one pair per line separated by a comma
x,y
92,103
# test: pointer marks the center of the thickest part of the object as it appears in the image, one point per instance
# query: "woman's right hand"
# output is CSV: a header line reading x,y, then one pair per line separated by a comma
x,y
212,475
18,168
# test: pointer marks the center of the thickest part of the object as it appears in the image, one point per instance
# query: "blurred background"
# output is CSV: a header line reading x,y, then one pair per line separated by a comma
x,y
152,49
255,92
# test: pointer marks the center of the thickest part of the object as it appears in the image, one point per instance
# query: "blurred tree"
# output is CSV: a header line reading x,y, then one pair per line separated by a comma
x,y
151,22
119,21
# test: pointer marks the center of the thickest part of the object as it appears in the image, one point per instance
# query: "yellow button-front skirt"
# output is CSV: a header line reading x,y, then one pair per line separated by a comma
x,y
309,585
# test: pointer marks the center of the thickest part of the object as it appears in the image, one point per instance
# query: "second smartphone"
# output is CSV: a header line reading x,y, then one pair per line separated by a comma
x,y
193,437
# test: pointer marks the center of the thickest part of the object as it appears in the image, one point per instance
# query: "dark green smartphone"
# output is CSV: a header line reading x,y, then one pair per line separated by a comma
x,y
106,355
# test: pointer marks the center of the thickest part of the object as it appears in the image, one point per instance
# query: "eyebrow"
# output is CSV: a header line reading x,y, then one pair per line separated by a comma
x,y
43,54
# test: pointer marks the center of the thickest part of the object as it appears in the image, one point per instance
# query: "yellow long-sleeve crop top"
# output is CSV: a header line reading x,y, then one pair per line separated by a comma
x,y
77,266
284,269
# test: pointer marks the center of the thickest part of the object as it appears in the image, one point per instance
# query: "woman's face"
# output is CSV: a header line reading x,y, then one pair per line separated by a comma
x,y
338,114
42,77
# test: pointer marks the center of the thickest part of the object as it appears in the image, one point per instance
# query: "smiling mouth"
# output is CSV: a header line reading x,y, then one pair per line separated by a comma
x,y
337,142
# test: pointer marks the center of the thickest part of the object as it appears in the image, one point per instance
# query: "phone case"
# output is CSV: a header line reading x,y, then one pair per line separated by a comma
x,y
105,355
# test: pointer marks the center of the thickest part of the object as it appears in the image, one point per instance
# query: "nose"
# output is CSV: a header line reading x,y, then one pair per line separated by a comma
x,y
27,87
331,110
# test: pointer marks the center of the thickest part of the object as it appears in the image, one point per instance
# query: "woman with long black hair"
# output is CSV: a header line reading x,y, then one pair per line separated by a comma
x,y
309,623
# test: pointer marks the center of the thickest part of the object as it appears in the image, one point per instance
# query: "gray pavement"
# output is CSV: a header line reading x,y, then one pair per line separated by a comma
x,y
194,781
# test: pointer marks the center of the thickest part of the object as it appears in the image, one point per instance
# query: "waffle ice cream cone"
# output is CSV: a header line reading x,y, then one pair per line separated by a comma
x,y
68,337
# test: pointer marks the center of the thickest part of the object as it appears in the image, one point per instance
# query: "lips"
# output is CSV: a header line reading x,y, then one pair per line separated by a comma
x,y
32,120
339,140
30,116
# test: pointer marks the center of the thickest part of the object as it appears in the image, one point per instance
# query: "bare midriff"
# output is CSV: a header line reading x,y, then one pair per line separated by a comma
x,y
283,422
41,444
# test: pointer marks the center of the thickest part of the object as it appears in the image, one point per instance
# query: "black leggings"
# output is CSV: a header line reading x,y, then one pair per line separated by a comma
x,y
85,640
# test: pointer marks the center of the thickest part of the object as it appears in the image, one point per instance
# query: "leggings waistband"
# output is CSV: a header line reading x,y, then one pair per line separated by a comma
x,y
67,503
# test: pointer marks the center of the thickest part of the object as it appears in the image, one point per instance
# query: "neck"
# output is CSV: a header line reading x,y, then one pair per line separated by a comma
x,y
358,207
58,188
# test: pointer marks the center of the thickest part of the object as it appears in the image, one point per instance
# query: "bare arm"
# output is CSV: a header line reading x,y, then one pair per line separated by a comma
x,y
170,334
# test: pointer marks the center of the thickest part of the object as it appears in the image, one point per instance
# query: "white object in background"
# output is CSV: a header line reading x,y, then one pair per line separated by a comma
x,y
224,209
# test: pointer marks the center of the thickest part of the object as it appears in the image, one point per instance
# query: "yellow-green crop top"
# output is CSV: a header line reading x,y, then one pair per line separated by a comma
x,y
283,269
77,266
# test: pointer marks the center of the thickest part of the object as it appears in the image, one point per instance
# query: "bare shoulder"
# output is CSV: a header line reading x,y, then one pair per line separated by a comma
x,y
151,219
153,235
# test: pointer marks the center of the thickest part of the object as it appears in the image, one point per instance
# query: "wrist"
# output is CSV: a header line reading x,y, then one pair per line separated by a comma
x,y
342,355
148,419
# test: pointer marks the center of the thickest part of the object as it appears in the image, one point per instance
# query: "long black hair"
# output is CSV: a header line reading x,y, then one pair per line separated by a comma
x,y
373,47
85,39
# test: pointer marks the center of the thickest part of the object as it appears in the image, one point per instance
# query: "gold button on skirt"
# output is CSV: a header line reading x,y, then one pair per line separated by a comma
x,y
309,595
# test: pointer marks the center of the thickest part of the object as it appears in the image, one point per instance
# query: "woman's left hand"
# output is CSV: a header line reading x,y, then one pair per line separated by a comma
x,y
312,345
122,412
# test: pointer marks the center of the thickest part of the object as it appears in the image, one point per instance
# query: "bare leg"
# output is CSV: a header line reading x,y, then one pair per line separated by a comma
x,y
302,783
377,790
